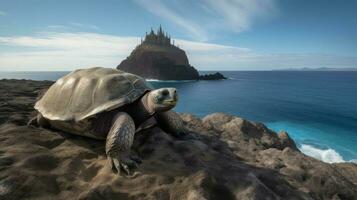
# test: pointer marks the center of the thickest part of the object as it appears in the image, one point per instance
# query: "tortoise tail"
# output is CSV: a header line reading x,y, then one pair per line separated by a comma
x,y
39,121
33,122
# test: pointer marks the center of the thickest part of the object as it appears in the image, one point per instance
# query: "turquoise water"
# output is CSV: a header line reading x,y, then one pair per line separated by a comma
x,y
318,109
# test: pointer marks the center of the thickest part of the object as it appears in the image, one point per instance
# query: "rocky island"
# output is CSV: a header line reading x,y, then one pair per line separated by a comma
x,y
157,58
223,157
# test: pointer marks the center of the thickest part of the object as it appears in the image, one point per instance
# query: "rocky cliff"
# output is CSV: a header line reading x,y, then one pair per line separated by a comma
x,y
157,58
223,157
159,62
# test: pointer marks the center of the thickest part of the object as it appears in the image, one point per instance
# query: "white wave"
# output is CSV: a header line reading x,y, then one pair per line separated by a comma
x,y
353,161
325,155
157,80
152,79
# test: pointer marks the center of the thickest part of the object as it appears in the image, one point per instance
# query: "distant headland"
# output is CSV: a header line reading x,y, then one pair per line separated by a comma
x,y
158,58
318,69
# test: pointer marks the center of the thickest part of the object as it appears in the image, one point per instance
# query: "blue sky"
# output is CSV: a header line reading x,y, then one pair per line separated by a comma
x,y
217,35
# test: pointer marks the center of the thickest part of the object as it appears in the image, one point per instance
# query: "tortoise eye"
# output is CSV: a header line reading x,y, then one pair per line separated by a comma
x,y
165,92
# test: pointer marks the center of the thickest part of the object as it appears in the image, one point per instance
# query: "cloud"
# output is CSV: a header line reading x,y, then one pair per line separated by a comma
x,y
202,18
72,26
163,10
239,15
57,27
53,51
80,25
64,51
2,13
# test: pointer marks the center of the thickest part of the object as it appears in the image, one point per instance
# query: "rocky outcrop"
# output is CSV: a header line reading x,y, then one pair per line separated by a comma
x,y
215,76
157,58
159,62
223,157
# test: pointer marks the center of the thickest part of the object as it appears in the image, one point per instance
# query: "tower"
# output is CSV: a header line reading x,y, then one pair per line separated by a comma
x,y
160,38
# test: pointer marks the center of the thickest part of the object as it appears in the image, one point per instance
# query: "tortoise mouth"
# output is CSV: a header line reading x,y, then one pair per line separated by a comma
x,y
170,102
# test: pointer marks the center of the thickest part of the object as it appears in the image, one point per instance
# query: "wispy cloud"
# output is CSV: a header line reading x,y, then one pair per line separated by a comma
x,y
202,18
163,10
2,13
64,51
67,51
57,27
72,26
80,25
239,15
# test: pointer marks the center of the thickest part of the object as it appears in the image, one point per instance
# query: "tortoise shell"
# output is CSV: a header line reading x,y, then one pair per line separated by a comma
x,y
86,92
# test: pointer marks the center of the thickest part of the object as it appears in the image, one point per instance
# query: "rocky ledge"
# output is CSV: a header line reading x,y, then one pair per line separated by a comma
x,y
223,157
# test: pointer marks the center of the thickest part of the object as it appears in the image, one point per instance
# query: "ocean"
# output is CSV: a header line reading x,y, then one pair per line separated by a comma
x,y
318,109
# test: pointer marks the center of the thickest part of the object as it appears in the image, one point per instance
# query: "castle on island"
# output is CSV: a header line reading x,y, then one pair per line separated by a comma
x,y
157,58
160,38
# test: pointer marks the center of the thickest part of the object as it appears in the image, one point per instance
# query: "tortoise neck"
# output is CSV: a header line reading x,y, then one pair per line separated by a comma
x,y
140,111
146,104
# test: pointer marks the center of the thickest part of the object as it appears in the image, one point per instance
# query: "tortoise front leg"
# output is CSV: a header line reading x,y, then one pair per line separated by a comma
x,y
118,144
171,122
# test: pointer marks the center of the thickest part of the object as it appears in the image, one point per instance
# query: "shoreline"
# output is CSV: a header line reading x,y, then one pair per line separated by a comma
x,y
222,155
326,154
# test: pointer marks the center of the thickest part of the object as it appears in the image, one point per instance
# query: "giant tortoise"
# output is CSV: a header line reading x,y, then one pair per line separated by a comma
x,y
108,104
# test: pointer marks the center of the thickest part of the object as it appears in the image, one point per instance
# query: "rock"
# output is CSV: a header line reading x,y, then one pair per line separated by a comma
x,y
157,58
215,76
286,140
223,157
157,62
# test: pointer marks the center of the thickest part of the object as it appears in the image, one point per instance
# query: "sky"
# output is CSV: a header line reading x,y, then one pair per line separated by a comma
x,y
51,35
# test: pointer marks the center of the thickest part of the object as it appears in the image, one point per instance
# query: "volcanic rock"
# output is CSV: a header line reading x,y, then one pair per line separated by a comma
x,y
223,157
157,58
215,76
159,62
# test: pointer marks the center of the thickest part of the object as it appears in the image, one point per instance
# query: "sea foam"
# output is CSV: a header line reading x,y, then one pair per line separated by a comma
x,y
325,155
180,81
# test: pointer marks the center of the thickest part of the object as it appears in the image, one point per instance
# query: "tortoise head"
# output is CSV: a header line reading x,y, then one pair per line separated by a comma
x,y
163,99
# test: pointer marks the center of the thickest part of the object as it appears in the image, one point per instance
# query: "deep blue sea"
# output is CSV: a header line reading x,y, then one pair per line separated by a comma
x,y
318,109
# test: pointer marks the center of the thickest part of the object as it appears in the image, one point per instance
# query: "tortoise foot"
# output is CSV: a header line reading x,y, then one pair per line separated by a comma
x,y
125,163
